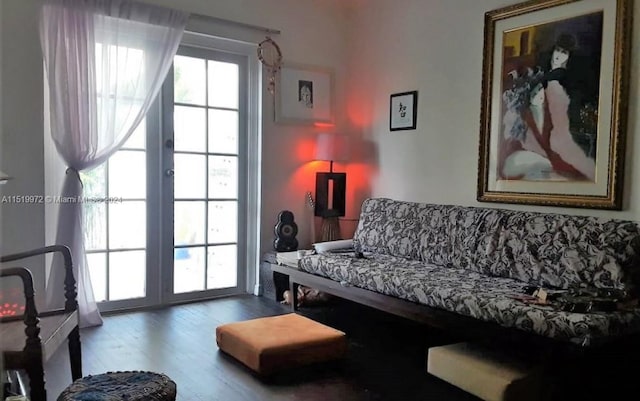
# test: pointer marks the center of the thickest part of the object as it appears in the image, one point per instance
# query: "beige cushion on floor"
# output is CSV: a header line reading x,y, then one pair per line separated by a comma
x,y
276,343
489,375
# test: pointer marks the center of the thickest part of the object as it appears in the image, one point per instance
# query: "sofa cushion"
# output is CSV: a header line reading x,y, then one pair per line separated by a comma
x,y
389,227
470,293
543,249
435,242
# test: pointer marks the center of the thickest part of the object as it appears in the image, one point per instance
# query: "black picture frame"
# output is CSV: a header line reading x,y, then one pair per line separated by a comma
x,y
403,111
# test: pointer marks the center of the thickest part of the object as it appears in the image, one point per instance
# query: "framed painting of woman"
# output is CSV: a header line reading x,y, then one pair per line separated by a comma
x,y
304,95
554,101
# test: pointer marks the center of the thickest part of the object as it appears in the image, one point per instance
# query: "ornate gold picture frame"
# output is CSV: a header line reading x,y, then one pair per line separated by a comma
x,y
554,103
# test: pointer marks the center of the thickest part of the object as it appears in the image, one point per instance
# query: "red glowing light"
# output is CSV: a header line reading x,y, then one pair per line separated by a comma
x,y
304,150
324,125
7,309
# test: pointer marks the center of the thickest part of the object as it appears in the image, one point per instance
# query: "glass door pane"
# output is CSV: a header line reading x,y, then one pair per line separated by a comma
x,y
115,229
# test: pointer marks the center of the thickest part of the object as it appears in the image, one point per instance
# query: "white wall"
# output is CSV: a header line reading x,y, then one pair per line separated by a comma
x,y
21,149
1,85
435,47
312,33
1,138
1,187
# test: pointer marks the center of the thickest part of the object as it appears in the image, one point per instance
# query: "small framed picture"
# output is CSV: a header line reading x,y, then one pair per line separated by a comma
x,y
403,114
304,95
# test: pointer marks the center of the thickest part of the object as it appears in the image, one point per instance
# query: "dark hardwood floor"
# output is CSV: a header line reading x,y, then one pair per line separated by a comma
x,y
386,358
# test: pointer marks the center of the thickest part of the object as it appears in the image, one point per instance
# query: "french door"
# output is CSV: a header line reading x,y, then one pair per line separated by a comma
x,y
205,178
176,233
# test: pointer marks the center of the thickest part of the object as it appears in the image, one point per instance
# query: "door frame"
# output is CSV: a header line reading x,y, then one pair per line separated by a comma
x,y
249,166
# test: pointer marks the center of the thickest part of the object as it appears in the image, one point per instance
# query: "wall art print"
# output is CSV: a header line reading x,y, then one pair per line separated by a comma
x,y
554,102
304,95
403,111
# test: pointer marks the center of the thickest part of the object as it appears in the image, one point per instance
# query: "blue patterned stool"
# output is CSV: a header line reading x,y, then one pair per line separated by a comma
x,y
120,386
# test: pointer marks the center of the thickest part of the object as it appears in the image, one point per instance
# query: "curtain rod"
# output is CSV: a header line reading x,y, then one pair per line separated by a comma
x,y
236,23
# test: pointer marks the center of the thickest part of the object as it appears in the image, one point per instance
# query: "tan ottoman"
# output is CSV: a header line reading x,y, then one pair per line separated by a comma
x,y
275,343
489,375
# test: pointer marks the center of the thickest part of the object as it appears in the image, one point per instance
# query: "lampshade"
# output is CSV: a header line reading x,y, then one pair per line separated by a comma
x,y
332,147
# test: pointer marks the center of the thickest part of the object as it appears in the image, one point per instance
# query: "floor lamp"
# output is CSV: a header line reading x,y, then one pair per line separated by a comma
x,y
331,186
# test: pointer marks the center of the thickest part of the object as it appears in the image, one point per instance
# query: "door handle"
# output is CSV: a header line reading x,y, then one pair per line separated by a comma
x,y
168,143
169,172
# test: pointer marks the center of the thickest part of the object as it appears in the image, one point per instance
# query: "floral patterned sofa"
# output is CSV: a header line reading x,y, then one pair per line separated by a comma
x,y
470,261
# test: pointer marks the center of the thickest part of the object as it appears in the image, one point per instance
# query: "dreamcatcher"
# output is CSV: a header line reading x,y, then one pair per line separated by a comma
x,y
270,55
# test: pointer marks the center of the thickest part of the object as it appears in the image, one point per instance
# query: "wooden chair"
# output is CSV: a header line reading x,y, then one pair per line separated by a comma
x,y
27,342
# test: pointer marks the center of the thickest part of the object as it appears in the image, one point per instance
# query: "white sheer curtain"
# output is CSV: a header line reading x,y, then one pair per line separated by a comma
x,y
105,61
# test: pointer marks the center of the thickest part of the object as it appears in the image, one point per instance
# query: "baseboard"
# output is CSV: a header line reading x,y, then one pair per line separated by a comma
x,y
257,289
